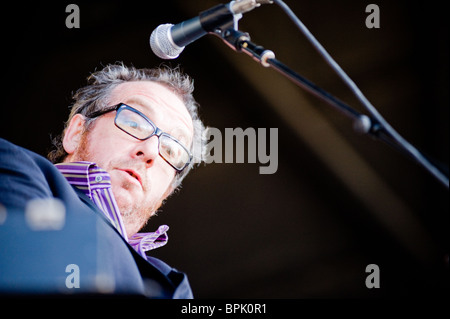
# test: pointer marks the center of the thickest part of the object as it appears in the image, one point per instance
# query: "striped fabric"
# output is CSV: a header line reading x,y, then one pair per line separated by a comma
x,y
96,184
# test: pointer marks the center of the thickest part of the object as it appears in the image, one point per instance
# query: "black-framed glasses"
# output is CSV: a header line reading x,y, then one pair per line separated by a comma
x,y
136,124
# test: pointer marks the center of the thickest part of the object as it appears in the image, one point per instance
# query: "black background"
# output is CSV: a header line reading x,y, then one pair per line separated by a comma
x,y
339,200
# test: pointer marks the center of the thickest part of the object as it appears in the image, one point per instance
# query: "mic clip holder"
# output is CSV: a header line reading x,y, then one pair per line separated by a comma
x,y
221,18
218,19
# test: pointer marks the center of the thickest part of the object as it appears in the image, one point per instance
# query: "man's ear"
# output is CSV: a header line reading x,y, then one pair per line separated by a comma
x,y
74,131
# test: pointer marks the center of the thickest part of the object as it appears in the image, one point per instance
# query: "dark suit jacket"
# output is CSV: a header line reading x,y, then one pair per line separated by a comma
x,y
87,240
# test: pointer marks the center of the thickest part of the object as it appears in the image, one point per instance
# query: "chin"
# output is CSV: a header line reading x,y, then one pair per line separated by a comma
x,y
126,204
126,194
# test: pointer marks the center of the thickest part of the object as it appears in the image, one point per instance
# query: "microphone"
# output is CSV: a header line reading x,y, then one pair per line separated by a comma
x,y
167,41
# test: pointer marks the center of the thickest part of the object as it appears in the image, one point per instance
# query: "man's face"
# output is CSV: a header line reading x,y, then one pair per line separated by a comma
x,y
140,177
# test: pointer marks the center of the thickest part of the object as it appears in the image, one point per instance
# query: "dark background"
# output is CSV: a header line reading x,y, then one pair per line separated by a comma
x,y
339,200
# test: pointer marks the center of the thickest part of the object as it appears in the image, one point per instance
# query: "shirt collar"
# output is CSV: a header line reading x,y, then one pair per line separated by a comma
x,y
95,183
86,176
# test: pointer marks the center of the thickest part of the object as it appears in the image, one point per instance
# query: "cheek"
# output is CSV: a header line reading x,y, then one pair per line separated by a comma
x,y
103,145
100,154
159,179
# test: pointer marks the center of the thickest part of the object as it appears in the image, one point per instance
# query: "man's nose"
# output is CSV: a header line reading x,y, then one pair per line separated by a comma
x,y
147,150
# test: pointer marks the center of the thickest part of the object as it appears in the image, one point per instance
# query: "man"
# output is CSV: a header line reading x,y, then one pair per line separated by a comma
x,y
131,138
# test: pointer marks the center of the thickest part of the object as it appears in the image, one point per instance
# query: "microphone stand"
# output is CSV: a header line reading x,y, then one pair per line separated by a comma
x,y
240,42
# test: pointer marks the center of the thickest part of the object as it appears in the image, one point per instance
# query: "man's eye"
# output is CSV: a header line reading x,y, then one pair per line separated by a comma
x,y
132,124
169,151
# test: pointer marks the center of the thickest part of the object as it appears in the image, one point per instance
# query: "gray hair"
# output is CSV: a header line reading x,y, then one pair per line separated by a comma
x,y
95,97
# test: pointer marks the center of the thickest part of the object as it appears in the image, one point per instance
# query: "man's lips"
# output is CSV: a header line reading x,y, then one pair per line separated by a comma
x,y
133,174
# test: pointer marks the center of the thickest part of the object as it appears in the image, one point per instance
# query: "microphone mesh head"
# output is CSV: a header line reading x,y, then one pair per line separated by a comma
x,y
162,44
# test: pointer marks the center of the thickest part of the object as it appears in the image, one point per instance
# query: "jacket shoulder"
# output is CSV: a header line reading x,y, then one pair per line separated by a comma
x,y
21,175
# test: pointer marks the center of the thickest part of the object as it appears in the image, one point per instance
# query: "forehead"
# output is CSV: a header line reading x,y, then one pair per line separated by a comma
x,y
155,100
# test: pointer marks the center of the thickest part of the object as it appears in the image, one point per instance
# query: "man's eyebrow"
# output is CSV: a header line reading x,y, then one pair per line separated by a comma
x,y
140,101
